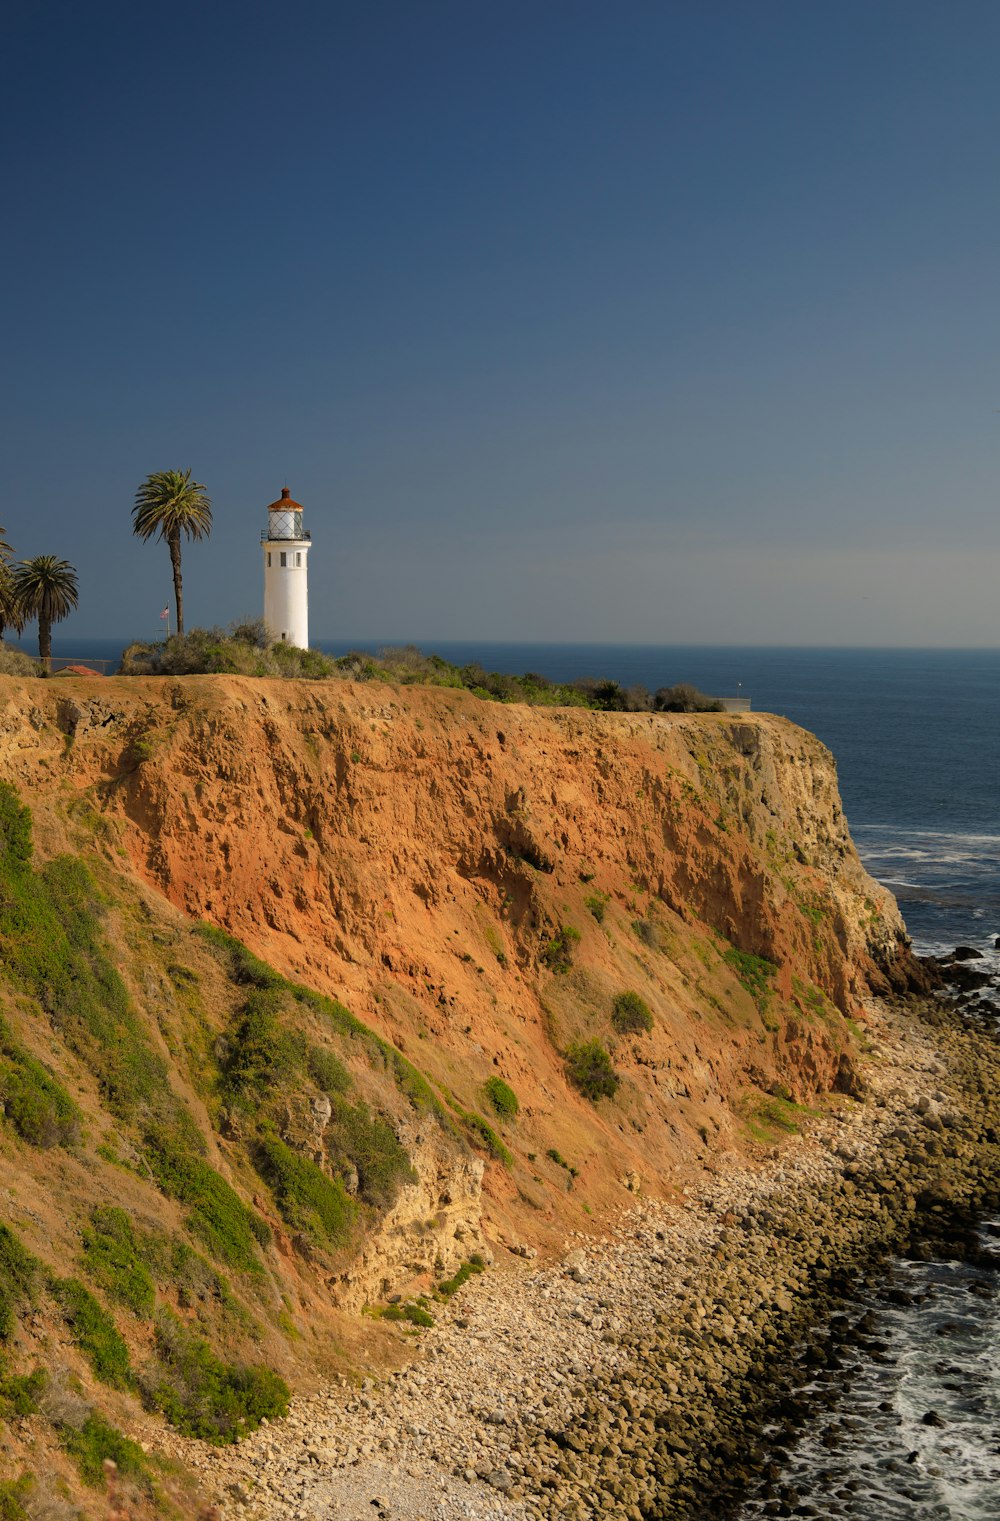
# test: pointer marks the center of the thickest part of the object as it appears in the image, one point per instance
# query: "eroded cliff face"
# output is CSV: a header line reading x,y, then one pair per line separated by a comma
x,y
416,852
475,885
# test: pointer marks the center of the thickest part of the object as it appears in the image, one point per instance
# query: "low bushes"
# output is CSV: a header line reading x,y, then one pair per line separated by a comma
x,y
242,649
263,1055
369,1142
502,1097
631,1014
754,972
483,1134
14,1497
465,1272
309,1201
16,663
114,1259
18,1279
684,698
19,1394
97,1442
205,1397
558,953
597,904
38,1107
95,1333
589,1068
230,1230
414,1313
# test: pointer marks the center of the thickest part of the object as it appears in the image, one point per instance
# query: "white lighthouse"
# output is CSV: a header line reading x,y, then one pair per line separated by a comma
x,y
286,548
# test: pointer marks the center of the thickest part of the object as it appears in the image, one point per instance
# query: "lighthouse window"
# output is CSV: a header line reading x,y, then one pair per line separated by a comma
x,y
269,558
284,558
298,557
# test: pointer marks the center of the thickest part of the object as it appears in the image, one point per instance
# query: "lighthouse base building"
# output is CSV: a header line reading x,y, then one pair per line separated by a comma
x,y
286,548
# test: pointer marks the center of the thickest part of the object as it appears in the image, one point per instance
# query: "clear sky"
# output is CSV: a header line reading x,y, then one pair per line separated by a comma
x,y
664,320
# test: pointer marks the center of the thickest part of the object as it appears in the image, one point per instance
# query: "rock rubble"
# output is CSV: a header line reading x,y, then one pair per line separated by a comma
x,y
621,1382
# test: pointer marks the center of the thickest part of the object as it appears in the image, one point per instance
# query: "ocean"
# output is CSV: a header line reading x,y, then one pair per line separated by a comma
x,y
916,735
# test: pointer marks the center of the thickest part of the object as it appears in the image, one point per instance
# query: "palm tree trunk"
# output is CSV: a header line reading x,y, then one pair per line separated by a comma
x,y
44,640
175,562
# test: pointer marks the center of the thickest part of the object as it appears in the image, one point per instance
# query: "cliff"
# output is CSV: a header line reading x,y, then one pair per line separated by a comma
x,y
441,892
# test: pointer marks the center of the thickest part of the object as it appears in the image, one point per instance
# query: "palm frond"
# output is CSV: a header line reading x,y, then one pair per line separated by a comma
x,y
45,588
169,504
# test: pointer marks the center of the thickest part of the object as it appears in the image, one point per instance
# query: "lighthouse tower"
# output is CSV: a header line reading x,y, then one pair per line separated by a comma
x,y
286,548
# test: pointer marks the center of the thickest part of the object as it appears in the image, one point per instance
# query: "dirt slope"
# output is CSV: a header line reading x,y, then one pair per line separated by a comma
x,y
477,884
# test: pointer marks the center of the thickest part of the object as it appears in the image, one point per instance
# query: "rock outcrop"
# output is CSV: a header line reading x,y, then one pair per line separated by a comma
x,y
476,885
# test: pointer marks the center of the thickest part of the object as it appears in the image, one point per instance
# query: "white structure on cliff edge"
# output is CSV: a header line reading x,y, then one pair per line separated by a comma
x,y
286,548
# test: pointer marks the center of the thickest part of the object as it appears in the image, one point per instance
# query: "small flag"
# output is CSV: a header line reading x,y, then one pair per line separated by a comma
x,y
165,613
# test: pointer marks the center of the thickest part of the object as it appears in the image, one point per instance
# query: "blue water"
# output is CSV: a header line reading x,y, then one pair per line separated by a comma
x,y
916,734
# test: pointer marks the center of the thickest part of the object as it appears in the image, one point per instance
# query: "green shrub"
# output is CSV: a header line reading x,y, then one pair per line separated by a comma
x,y
645,929
597,904
205,1397
50,930
465,1272
369,1142
15,1493
230,1230
560,1161
684,698
414,1313
327,1071
243,966
95,1333
96,1441
19,1394
39,1108
631,1014
754,972
15,663
18,1278
483,1134
558,953
307,1199
502,1097
263,1056
113,1258
588,1067
239,650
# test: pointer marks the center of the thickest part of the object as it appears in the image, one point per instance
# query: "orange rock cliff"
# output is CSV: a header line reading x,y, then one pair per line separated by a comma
x,y
476,884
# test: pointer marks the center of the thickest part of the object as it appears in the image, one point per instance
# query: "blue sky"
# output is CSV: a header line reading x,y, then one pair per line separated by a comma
x,y
667,322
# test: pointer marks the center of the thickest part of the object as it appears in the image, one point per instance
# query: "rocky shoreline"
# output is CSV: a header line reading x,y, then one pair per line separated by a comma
x,y
630,1381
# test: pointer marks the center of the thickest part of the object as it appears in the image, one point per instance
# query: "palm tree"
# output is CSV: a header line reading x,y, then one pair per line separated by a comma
x,y
10,610
167,504
45,589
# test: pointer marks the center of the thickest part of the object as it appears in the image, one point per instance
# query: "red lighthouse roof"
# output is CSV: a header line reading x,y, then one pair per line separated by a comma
x,y
285,503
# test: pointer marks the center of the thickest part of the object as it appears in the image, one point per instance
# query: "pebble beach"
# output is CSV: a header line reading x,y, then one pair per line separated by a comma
x,y
630,1379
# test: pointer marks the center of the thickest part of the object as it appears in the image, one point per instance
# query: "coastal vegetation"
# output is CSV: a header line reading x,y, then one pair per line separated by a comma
x,y
169,505
589,1068
245,649
203,1153
502,1097
630,1014
42,589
